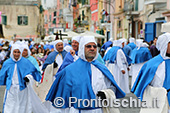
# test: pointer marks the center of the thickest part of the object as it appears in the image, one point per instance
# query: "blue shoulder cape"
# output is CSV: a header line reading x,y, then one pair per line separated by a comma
x,y
106,45
141,55
69,59
132,45
24,67
75,81
147,74
34,62
111,54
51,58
127,49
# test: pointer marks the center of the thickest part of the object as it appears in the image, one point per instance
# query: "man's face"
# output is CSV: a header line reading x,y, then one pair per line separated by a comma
x,y
25,53
123,44
16,54
154,41
75,45
90,51
168,48
59,47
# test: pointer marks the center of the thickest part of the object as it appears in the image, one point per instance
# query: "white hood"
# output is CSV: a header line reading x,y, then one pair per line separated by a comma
x,y
162,44
85,40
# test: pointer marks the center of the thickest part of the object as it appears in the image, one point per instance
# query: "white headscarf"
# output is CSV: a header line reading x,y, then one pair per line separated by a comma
x,y
119,42
65,42
115,42
76,38
145,45
68,48
139,43
124,40
111,39
162,44
41,43
15,46
24,46
85,40
55,43
32,42
132,40
18,42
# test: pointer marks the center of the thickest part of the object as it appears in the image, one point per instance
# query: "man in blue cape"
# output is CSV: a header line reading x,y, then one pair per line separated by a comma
x,y
156,72
14,75
132,43
56,56
117,62
72,56
83,79
139,56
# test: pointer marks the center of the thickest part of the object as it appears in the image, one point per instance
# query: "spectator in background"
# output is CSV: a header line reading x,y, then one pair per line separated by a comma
x,y
153,49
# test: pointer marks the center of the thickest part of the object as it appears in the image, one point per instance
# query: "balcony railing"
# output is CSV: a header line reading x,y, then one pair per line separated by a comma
x,y
128,6
148,2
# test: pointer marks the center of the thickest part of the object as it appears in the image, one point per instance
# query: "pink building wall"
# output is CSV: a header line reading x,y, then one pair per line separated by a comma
x,y
94,12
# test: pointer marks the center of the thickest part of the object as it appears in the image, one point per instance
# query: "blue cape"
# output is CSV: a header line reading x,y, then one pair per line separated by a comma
x,y
147,74
51,58
111,54
127,49
69,59
141,55
106,45
24,67
132,45
34,62
75,81
129,60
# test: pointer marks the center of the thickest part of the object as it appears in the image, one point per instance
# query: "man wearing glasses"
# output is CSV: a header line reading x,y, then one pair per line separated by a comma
x,y
83,79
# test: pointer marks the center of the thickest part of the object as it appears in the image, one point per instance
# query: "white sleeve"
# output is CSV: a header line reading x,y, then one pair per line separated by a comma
x,y
119,59
159,77
109,85
75,57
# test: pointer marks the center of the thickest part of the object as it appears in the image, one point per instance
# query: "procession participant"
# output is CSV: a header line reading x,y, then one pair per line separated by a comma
x,y
83,79
14,75
139,56
156,71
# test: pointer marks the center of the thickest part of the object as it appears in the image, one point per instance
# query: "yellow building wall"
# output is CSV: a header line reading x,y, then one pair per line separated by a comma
x,y
100,7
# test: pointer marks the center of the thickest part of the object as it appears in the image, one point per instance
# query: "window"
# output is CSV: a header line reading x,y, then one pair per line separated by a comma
x,y
55,13
50,18
22,20
4,19
83,16
119,23
136,5
45,19
54,21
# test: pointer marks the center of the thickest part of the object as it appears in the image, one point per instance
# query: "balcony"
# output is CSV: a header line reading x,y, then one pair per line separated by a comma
x,y
128,6
85,22
150,2
131,9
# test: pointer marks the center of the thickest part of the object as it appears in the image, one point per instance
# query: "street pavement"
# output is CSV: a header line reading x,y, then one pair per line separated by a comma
x,y
122,109
2,90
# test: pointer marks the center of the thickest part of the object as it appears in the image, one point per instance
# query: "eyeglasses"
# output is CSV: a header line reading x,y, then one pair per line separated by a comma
x,y
90,46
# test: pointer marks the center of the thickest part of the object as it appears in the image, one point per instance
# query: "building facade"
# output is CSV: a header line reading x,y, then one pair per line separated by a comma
x,y
21,19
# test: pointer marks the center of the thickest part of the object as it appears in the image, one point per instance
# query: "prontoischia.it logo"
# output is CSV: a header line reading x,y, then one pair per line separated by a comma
x,y
116,103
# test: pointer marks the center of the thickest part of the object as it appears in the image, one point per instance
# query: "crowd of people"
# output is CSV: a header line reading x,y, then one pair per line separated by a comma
x,y
79,70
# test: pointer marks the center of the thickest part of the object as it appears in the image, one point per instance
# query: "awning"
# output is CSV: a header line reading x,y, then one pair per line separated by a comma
x,y
89,33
